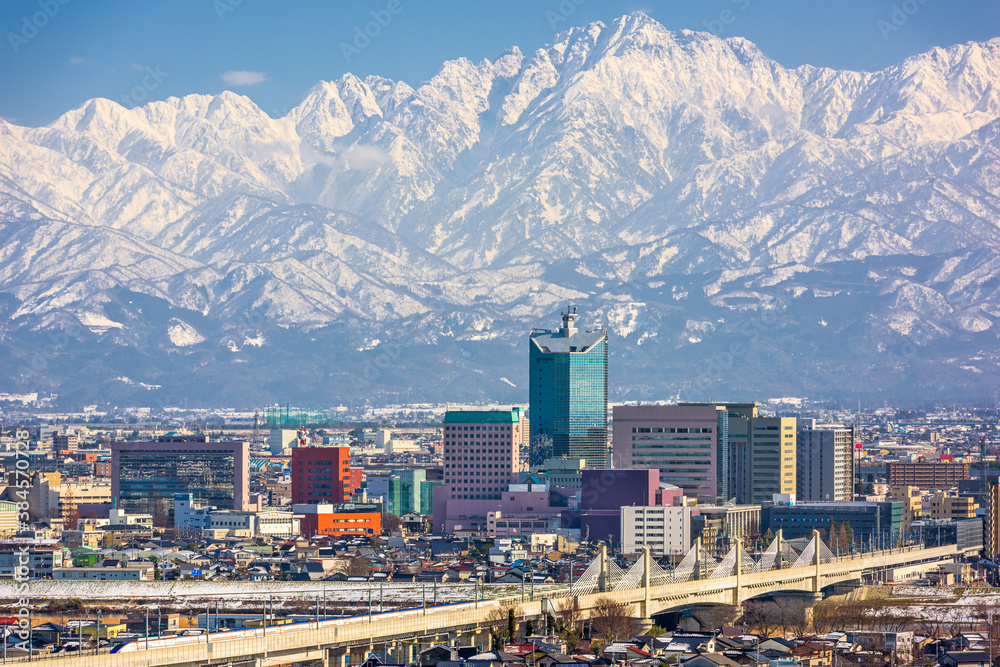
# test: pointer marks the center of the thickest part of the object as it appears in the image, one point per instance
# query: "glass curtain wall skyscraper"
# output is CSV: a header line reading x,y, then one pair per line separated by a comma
x,y
568,392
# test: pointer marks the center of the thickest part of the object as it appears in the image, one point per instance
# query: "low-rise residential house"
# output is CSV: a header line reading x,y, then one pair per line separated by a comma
x,y
966,659
710,660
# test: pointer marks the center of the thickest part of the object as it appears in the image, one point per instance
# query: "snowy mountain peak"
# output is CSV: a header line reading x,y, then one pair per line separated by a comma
x,y
678,183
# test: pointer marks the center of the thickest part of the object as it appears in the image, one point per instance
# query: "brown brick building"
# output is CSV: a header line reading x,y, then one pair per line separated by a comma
x,y
928,474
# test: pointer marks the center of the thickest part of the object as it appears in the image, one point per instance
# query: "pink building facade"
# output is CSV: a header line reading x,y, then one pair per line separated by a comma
x,y
681,441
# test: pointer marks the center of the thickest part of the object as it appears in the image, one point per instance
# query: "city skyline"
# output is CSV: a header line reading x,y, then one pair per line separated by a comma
x,y
556,332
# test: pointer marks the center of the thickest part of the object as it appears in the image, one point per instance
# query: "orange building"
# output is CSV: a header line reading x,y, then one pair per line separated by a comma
x,y
357,477
340,519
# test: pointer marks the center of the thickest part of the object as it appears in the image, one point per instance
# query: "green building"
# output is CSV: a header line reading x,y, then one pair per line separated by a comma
x,y
404,491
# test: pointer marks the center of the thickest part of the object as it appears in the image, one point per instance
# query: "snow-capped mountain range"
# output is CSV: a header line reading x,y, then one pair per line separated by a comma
x,y
744,230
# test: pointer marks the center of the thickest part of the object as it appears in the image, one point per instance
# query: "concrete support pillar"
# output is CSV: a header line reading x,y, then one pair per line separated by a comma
x,y
602,584
335,657
358,654
778,559
818,584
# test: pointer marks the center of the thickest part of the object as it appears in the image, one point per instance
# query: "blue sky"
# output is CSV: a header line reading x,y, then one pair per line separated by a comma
x,y
59,53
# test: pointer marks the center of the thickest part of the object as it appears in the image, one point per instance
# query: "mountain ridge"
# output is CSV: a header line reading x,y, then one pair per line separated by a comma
x,y
677,185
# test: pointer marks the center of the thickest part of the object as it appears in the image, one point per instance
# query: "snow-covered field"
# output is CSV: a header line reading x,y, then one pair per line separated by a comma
x,y
946,605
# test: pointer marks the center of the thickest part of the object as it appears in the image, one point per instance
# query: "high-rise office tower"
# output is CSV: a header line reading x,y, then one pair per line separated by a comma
x,y
761,453
825,462
688,444
568,392
482,452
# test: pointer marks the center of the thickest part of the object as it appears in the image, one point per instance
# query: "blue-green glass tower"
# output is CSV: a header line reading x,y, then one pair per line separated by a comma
x,y
568,386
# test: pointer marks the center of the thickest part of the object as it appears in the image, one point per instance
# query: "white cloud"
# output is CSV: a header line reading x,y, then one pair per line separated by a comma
x,y
243,77
77,60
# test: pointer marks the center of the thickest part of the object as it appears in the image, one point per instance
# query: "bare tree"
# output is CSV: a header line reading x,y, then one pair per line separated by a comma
x,y
359,567
986,611
853,615
762,616
570,623
890,617
825,617
391,523
502,622
612,621
929,626
570,616
794,617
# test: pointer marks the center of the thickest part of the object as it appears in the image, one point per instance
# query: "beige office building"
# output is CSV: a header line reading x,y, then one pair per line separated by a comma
x,y
993,520
761,454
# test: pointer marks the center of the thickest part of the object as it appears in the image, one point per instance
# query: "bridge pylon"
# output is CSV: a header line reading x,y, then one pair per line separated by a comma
x,y
602,581
778,560
647,564
698,570
818,582
738,569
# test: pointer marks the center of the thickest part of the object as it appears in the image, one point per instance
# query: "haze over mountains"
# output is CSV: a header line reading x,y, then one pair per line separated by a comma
x,y
744,230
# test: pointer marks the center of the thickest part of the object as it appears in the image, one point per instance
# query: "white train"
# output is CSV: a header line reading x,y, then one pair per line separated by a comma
x,y
287,628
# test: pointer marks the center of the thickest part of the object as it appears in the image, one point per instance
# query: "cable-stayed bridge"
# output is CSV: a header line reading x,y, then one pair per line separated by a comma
x,y
645,587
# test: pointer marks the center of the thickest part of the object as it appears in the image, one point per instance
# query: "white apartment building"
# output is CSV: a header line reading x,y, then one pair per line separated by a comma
x,y
665,530
825,460
281,440
276,524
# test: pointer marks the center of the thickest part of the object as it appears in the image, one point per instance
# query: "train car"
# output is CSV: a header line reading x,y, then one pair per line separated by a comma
x,y
285,628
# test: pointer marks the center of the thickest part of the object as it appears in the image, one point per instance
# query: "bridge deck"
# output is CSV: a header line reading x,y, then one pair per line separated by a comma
x,y
312,641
